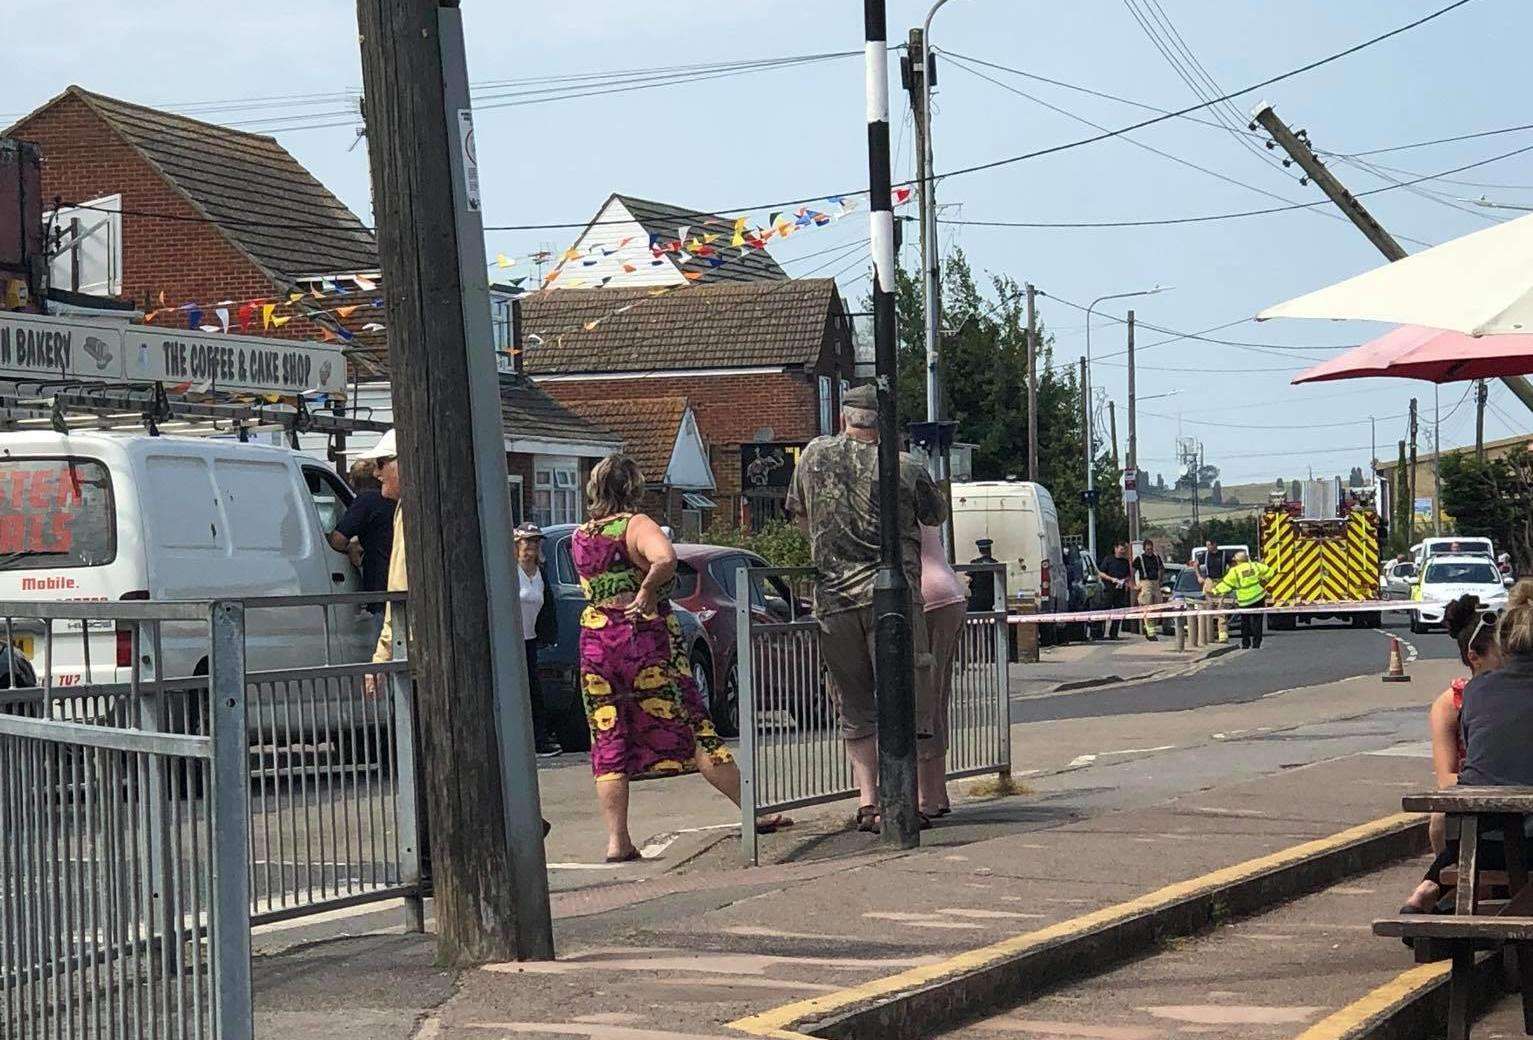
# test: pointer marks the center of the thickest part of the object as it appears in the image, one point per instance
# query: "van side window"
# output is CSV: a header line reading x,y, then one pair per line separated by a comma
x,y
331,497
189,518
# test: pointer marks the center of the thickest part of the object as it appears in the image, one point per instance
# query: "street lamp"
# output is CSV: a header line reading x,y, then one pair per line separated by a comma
x,y
1091,481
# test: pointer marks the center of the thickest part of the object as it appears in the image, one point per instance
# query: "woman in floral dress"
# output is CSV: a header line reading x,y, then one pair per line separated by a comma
x,y
646,715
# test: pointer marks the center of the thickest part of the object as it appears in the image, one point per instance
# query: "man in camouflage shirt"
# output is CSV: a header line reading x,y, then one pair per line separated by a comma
x,y
834,497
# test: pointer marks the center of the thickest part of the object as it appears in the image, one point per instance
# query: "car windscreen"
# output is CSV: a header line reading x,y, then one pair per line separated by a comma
x,y
1188,581
1462,574
55,512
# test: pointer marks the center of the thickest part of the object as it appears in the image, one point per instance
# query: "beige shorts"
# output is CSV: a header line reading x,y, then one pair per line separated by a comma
x,y
944,627
846,648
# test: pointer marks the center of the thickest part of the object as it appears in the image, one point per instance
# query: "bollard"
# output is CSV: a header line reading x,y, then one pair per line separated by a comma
x,y
1206,622
1026,633
1181,633
1195,631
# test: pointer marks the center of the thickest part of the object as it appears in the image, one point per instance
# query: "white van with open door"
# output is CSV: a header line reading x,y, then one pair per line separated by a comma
x,y
107,517
1020,519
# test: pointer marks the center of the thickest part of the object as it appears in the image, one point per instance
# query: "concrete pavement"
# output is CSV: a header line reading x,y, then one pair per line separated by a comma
x,y
650,952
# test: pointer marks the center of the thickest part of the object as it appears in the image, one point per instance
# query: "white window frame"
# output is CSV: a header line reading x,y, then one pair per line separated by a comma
x,y
827,414
516,492
108,235
500,331
556,495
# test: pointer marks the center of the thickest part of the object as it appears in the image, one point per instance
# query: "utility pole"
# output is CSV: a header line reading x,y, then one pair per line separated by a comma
x,y
1297,145
894,658
1411,478
491,883
1133,443
1112,430
1086,425
1032,385
1481,394
916,66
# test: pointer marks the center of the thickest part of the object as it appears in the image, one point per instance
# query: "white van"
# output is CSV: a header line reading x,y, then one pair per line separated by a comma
x,y
107,517
1020,518
1456,546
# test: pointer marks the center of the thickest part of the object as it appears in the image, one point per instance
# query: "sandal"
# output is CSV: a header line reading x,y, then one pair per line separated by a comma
x,y
773,825
630,856
867,819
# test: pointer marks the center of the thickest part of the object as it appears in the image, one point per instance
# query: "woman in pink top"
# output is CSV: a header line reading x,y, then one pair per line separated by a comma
x,y
943,598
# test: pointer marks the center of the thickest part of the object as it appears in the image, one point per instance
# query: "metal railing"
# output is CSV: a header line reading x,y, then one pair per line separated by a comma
x,y
123,894
791,751
319,756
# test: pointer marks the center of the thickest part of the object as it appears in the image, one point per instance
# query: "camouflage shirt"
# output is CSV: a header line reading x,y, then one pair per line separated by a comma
x,y
835,486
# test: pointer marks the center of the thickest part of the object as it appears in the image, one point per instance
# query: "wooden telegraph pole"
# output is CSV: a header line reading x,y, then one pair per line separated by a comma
x,y
490,879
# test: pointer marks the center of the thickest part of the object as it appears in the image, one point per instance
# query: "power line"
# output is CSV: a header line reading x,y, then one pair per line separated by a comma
x,y
1433,141
1282,426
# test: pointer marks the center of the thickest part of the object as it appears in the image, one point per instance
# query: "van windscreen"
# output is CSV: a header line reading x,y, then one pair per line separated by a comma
x,y
55,512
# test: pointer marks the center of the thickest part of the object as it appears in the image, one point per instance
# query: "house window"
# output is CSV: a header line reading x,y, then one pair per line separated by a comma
x,y
86,241
501,329
555,491
514,492
827,414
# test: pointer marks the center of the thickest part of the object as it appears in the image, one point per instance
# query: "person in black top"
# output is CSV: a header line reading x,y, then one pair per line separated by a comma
x,y
982,586
1115,572
369,523
1148,569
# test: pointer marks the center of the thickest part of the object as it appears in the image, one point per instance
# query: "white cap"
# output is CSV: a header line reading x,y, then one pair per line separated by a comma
x,y
384,449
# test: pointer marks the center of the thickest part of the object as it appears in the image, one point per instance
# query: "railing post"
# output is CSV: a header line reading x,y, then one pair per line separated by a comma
x,y
229,904
745,673
408,818
1003,668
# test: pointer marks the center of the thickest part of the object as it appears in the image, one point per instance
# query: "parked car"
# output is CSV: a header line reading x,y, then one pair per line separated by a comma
x,y
705,585
1397,580
1186,587
1169,575
1446,578
559,663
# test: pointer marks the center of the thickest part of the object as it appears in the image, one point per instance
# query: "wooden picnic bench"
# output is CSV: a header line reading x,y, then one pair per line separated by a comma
x,y
1478,921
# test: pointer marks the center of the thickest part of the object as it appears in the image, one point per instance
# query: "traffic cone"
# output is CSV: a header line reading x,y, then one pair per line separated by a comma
x,y
1396,672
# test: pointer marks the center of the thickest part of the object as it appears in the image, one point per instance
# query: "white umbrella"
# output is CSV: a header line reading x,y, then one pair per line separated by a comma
x,y
1481,284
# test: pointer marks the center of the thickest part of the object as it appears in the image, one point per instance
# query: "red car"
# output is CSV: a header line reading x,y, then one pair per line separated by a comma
x,y
705,585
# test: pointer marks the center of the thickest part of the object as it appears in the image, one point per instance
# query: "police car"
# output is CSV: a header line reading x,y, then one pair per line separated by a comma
x,y
1445,578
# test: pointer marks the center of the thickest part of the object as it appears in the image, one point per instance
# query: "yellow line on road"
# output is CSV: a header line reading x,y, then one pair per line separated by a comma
x,y
776,1023
1343,1023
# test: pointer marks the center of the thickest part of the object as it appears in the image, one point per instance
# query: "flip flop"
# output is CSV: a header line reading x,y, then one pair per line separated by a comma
x,y
867,819
773,825
631,856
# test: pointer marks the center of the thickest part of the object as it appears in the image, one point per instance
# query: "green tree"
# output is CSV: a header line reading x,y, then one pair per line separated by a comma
x,y
1493,499
983,370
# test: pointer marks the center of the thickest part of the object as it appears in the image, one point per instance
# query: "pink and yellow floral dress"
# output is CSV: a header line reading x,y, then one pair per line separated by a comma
x,y
645,712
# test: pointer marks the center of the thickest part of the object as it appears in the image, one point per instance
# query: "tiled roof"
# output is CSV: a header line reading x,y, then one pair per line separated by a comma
x,y
658,218
648,426
528,413
732,325
256,194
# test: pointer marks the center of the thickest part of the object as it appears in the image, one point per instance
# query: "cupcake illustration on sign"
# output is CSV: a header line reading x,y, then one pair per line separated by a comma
x,y
324,374
143,358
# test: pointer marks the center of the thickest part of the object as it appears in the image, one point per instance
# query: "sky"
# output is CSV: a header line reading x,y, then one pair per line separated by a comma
x,y
723,144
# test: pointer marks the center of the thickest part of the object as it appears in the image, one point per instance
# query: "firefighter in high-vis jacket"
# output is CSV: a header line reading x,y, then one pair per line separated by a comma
x,y
1247,580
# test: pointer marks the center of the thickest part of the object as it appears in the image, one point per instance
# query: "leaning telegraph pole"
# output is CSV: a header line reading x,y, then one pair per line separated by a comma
x,y
1297,145
488,870
1032,384
893,656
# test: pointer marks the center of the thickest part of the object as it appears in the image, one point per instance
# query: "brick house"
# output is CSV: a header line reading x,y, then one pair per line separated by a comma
x,y
174,208
662,436
761,363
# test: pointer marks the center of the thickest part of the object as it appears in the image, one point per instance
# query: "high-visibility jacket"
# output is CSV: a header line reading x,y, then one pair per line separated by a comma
x,y
1247,581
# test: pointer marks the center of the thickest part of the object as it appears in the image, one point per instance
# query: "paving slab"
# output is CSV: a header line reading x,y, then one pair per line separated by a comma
x,y
1262,978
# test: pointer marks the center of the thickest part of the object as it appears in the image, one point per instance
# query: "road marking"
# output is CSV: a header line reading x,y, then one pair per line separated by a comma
x,y
1410,647
1340,1024
776,1022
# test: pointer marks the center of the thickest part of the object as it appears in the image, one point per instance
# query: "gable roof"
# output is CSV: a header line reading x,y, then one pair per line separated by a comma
x,y
527,413
649,427
256,194
735,325
665,220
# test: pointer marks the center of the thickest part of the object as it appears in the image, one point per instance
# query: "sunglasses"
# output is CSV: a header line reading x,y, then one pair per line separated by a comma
x,y
1487,619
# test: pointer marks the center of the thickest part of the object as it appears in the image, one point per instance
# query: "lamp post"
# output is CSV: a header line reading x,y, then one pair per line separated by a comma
x,y
1091,482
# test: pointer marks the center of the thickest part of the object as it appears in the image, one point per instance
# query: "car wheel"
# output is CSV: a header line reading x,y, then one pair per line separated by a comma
x,y
722,708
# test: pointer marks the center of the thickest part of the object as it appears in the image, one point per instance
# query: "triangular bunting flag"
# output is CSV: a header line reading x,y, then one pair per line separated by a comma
x,y
365,284
223,317
266,311
278,322
739,235
347,311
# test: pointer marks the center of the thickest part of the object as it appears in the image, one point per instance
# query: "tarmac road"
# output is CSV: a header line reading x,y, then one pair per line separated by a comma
x,y
1322,652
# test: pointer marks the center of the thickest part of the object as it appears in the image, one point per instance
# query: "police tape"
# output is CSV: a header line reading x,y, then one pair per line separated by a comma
x,y
1169,611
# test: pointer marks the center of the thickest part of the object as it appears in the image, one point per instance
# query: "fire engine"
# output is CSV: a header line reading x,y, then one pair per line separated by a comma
x,y
1324,550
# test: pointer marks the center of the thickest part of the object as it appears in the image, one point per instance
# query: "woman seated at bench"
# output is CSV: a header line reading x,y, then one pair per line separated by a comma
x,y
1495,723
